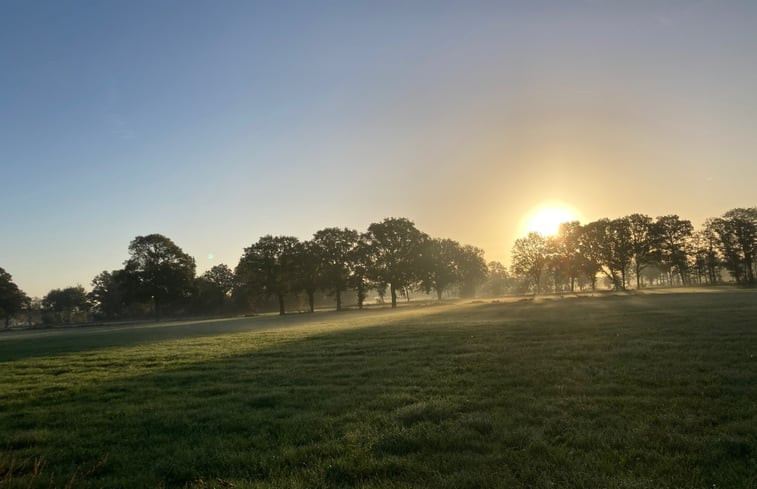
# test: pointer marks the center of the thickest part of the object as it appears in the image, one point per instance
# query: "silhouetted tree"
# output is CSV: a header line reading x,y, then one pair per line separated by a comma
x,y
308,271
642,243
529,258
222,277
737,232
441,265
567,248
212,289
707,260
617,252
590,250
112,292
472,269
672,235
397,246
362,263
336,250
67,304
162,271
269,267
498,280
12,299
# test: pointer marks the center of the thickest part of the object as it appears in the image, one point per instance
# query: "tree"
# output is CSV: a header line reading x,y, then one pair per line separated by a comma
x,y
67,304
567,244
498,280
397,246
642,242
362,262
529,258
335,247
472,269
222,277
672,235
617,251
590,249
441,265
112,292
268,267
706,248
12,299
737,232
213,288
162,271
308,271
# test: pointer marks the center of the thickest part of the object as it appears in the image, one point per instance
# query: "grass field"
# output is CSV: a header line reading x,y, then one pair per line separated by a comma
x,y
650,390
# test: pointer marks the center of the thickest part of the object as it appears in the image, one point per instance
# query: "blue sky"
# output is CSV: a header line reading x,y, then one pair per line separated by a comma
x,y
217,122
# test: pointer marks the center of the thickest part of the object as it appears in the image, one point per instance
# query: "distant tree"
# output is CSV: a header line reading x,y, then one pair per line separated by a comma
x,y
472,269
672,235
642,243
222,277
213,289
529,259
498,280
336,250
441,260
67,304
397,246
707,259
12,299
308,271
568,253
617,251
590,244
737,233
112,292
268,267
362,264
161,270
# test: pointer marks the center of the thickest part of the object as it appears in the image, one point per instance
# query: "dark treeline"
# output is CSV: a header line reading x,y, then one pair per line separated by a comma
x,y
637,251
337,266
390,259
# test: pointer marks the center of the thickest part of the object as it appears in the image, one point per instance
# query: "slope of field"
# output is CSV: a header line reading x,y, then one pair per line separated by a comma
x,y
637,391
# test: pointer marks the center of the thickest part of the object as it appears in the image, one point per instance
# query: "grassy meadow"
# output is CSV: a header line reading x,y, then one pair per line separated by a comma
x,y
649,390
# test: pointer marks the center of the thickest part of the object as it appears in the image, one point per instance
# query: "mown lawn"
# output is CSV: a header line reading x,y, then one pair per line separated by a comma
x,y
640,391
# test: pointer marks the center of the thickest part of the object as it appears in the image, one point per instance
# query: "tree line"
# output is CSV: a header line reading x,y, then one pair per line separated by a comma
x,y
662,251
392,257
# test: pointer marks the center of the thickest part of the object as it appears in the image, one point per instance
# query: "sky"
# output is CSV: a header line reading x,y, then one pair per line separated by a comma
x,y
215,123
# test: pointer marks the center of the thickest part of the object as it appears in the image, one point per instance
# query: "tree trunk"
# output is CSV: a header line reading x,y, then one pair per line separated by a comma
x,y
360,297
623,275
156,308
439,293
407,294
338,300
393,291
281,304
311,300
638,276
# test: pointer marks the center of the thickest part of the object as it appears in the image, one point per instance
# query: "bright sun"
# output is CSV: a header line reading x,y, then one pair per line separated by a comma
x,y
545,219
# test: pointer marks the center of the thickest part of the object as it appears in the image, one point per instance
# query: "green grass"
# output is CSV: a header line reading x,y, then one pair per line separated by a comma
x,y
637,391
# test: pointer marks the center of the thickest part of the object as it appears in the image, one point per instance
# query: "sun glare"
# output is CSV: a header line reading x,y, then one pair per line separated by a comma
x,y
546,218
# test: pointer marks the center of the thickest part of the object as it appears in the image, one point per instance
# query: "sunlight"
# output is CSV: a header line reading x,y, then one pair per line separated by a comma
x,y
546,218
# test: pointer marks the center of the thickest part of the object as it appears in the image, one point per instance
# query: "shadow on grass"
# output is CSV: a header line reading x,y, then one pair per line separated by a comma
x,y
551,394
44,343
